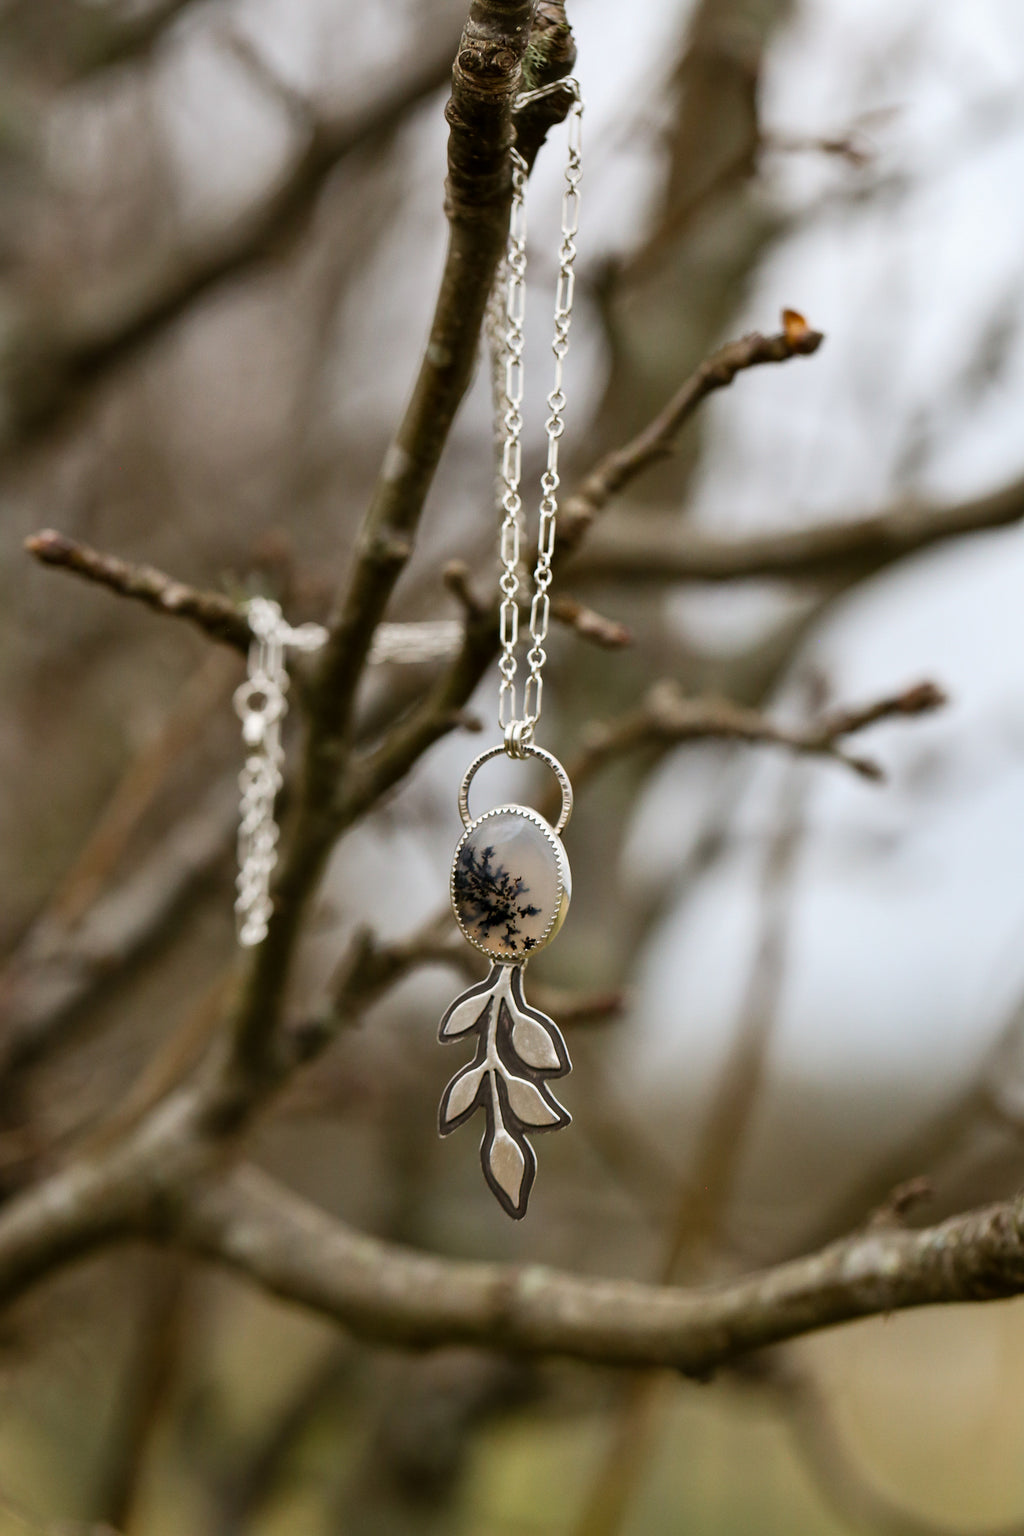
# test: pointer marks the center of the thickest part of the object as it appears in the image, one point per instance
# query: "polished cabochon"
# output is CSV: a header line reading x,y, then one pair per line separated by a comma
x,y
510,883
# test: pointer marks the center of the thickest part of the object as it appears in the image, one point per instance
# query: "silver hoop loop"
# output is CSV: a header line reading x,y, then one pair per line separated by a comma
x,y
529,750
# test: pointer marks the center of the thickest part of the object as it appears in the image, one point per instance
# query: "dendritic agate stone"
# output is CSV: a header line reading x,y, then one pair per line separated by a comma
x,y
510,883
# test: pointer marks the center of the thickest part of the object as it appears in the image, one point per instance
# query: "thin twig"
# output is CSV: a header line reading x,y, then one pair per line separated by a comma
x,y
572,1009
657,441
456,577
900,1201
217,616
590,625
852,547
369,969
668,718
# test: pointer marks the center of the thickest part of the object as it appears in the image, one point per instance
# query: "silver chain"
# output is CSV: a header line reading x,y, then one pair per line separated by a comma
x,y
261,703
421,640
519,729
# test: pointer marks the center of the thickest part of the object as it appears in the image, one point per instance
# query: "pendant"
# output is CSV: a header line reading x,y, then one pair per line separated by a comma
x,y
510,891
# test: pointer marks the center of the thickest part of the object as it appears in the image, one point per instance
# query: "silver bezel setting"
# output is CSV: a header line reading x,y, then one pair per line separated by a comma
x,y
563,877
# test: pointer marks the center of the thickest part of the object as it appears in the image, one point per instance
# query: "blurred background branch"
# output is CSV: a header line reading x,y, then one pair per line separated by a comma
x,y
247,1289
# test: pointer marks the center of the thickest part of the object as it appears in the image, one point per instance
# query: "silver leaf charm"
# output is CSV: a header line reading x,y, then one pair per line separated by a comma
x,y
518,1049
464,1014
533,1045
461,1095
506,1166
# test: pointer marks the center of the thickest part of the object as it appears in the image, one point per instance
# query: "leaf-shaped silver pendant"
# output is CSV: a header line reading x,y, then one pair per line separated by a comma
x,y
518,1050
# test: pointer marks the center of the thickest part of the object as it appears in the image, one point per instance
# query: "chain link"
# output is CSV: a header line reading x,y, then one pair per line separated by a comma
x,y
519,730
512,452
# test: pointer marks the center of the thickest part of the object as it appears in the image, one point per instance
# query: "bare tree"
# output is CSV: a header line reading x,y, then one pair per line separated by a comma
x,y
148,1078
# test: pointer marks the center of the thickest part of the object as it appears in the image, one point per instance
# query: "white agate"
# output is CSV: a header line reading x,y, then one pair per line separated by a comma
x,y
510,883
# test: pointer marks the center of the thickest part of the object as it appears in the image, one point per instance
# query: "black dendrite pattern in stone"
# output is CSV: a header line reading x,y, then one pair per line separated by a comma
x,y
490,897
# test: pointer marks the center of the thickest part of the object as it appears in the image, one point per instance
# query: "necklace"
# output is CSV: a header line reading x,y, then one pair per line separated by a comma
x,y
510,880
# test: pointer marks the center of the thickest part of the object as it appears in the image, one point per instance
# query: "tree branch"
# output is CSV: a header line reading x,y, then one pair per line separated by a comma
x,y
162,1178
668,718
162,1183
217,616
391,1294
373,773
370,968
657,441
848,549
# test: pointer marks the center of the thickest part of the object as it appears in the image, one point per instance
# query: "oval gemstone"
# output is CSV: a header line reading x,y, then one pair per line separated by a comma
x,y
509,883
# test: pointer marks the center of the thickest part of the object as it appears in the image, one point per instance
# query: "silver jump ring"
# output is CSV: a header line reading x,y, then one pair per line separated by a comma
x,y
518,738
529,750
